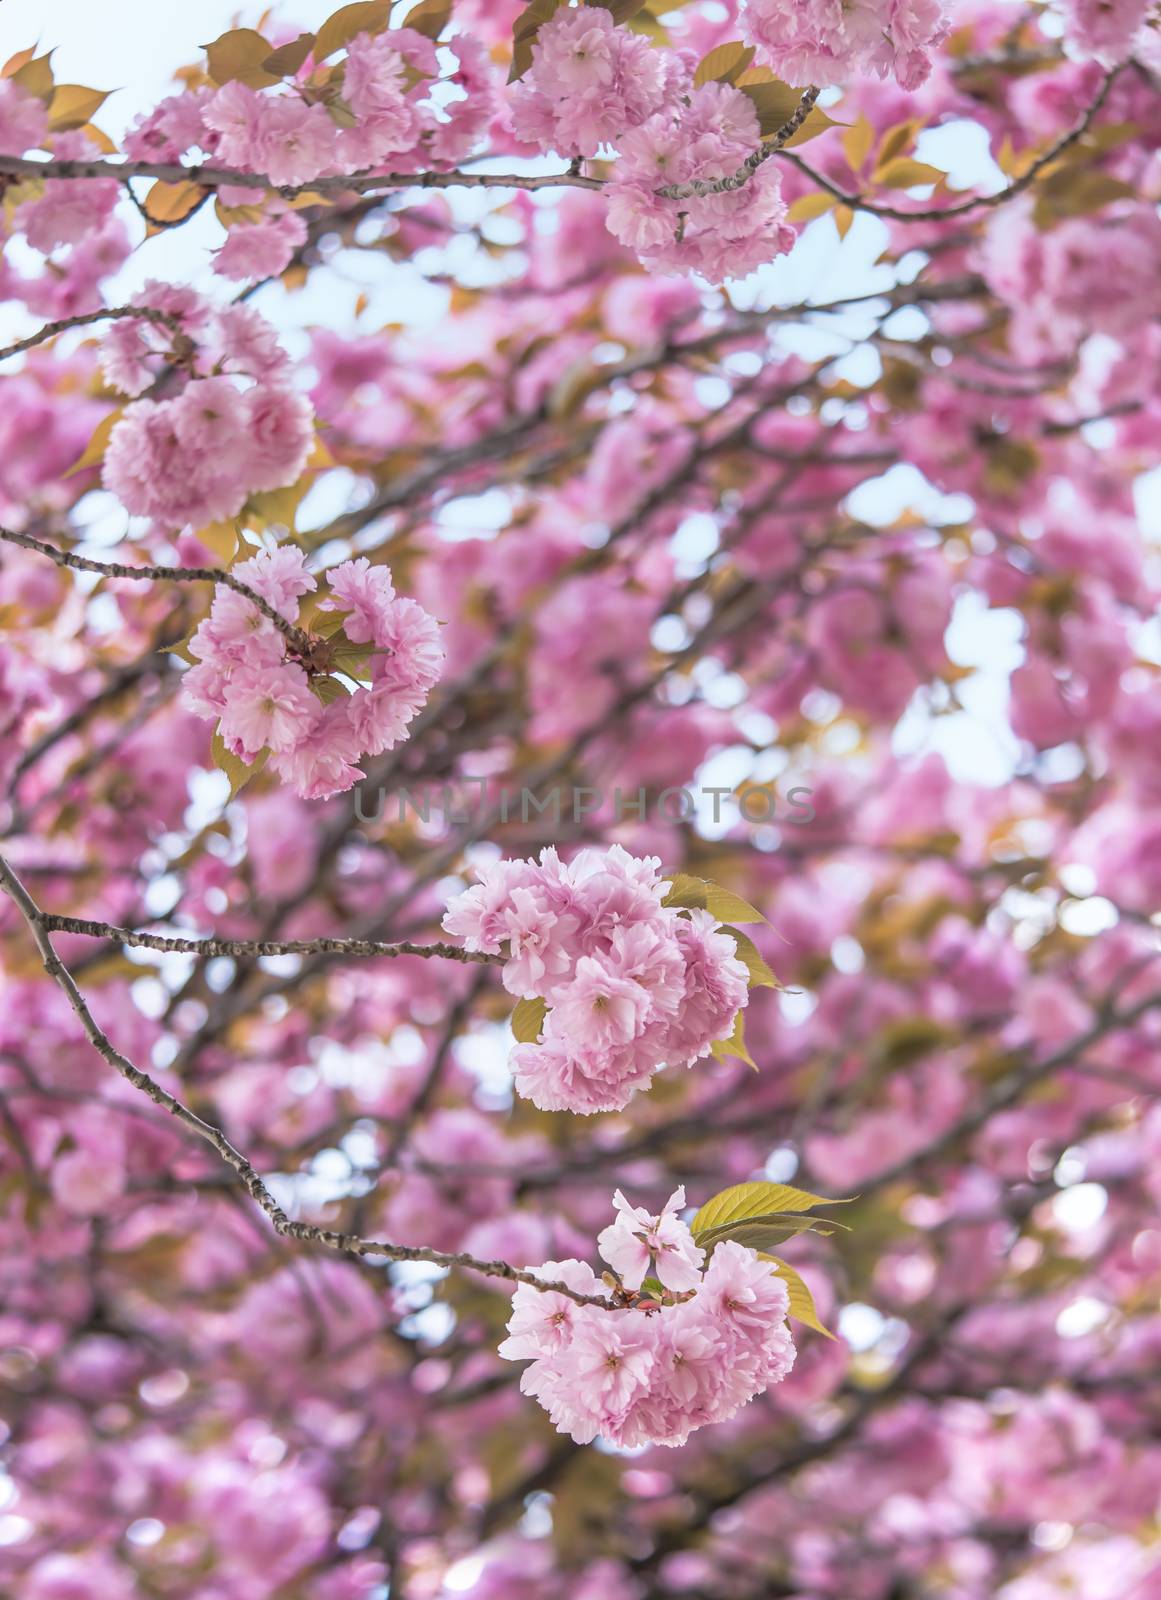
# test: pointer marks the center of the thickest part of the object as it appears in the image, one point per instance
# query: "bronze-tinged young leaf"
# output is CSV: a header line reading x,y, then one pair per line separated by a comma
x,y
761,974
809,206
286,60
774,101
14,63
429,17
221,539
895,141
801,1301
365,16
906,173
173,202
857,141
72,106
622,10
724,64
817,122
94,452
238,771
101,139
1069,193
238,56
528,1021
843,218
755,1199
35,77
524,30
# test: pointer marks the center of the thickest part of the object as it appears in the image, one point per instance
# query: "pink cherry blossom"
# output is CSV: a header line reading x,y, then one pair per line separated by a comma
x,y
261,249
23,119
637,1245
590,82
268,706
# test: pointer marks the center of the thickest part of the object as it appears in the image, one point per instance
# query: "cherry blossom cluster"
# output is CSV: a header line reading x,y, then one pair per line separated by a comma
x,y
377,109
827,42
691,1348
719,235
590,82
237,427
314,724
1110,31
631,985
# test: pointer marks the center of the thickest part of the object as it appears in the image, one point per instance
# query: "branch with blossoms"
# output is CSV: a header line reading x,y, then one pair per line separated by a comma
x,y
297,639
672,1312
212,1135
673,536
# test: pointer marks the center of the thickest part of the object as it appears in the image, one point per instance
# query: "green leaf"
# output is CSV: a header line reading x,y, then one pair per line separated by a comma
x,y
762,1233
528,1020
352,659
761,974
328,689
686,893
802,1307
696,894
735,1045
725,64
238,57
727,906
238,771
756,1199
323,624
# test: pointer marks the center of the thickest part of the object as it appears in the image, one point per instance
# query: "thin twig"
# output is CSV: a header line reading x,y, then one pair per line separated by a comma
x,y
984,202
85,318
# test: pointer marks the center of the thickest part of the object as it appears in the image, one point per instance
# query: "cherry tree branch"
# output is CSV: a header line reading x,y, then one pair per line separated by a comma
x,y
260,947
359,183
85,319
856,202
284,1226
118,569
212,177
